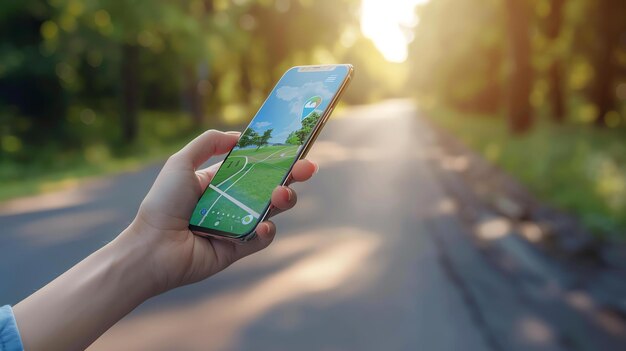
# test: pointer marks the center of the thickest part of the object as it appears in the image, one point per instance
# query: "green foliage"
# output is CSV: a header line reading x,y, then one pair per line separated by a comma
x,y
252,137
263,139
293,139
28,169
91,87
201,55
573,167
248,138
458,54
299,136
464,55
80,75
468,58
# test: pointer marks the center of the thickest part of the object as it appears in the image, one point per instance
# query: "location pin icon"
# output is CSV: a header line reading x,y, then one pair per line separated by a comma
x,y
310,105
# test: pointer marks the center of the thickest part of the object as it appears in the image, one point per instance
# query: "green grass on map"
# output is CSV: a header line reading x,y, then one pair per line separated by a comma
x,y
249,176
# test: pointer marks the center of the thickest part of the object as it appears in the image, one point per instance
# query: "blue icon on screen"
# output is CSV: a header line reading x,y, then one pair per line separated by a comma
x,y
203,211
310,105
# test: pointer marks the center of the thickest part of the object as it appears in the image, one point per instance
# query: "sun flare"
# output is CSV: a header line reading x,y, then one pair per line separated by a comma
x,y
384,21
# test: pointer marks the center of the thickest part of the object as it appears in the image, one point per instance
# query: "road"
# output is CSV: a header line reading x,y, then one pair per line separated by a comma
x,y
372,258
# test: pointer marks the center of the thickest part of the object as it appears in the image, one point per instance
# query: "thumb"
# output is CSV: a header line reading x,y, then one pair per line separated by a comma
x,y
208,144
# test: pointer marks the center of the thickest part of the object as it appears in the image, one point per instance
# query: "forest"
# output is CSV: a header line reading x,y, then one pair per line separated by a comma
x,y
97,86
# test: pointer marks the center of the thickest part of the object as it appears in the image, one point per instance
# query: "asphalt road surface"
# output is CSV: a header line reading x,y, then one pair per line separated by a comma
x,y
370,259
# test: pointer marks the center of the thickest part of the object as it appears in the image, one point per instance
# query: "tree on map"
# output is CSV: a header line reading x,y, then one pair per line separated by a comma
x,y
293,139
262,140
297,137
248,138
307,126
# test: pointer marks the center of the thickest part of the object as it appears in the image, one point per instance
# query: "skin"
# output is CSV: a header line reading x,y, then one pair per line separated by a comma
x,y
156,253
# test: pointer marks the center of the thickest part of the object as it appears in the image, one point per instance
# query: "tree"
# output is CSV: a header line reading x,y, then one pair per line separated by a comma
x,y
262,140
458,56
29,85
293,139
554,22
130,36
297,137
248,138
307,126
279,28
520,81
610,26
196,70
129,22
130,91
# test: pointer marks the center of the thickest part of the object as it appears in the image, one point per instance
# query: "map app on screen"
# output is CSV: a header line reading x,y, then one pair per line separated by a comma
x,y
240,192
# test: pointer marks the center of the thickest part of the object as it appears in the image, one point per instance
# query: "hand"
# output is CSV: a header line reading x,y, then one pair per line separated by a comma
x,y
155,253
175,255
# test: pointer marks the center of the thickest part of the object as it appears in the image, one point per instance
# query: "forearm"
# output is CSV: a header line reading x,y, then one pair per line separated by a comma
x,y
76,308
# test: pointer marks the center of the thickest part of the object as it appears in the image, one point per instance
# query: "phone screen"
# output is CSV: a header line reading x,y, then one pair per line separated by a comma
x,y
240,192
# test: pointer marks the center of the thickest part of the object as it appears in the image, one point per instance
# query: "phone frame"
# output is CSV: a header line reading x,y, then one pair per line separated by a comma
x,y
223,235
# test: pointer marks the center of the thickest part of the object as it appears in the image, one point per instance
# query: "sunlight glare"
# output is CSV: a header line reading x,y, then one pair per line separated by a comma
x,y
384,22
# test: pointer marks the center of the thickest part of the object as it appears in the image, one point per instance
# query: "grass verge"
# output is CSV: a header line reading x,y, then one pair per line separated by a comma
x,y
575,167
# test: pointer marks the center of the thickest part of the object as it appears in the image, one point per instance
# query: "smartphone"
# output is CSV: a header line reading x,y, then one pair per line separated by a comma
x,y
281,133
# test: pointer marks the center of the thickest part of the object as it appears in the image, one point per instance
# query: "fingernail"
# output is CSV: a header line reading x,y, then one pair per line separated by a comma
x,y
233,132
289,194
317,167
266,228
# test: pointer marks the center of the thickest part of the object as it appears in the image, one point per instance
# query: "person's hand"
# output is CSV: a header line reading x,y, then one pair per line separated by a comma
x,y
175,255
154,254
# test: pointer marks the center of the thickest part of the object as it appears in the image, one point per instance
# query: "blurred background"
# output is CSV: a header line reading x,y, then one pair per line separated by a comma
x,y
478,153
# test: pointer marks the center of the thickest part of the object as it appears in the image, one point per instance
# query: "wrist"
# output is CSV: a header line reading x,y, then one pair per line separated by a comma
x,y
130,262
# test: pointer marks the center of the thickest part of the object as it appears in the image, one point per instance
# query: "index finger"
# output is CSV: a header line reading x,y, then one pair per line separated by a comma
x,y
303,170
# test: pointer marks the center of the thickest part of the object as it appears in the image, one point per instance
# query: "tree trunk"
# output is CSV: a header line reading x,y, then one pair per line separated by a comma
x,y
130,92
519,112
246,79
555,72
196,77
557,96
193,95
605,67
